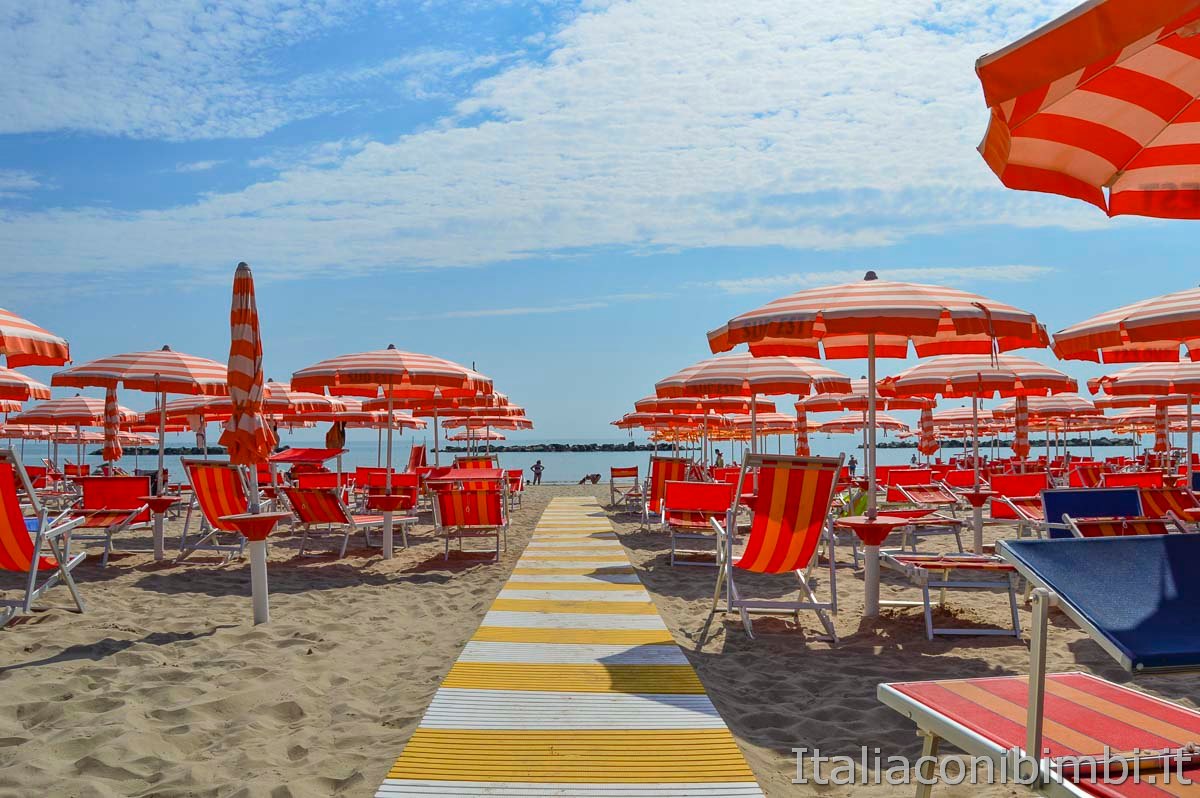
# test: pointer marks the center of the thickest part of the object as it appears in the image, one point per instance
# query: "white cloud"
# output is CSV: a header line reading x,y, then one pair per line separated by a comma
x,y
197,166
942,275
568,306
653,125
16,183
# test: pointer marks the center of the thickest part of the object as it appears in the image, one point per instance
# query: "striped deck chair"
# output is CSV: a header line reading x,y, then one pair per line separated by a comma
x,y
790,518
1085,475
218,489
323,507
1121,527
463,513
932,572
416,457
21,547
688,509
108,506
516,486
662,471
931,495
476,461
624,487
1178,502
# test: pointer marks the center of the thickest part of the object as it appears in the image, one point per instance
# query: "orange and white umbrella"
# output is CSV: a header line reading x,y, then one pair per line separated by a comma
x,y
71,411
471,435
248,438
1020,444
1104,97
803,448
854,422
856,399
160,371
501,422
1162,430
1041,408
686,405
978,377
1156,379
927,443
26,344
1150,330
112,450
748,376
19,387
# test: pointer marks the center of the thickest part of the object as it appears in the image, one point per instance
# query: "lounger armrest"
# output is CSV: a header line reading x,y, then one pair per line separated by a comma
x,y
61,526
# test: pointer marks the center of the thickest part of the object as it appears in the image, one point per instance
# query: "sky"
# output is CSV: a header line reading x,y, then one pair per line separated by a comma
x,y
566,195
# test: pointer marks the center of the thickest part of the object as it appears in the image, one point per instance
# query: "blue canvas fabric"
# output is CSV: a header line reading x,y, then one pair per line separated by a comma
x,y
1142,593
1088,503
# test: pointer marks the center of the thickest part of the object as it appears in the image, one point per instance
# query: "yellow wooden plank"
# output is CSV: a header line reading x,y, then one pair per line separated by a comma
x,y
598,571
593,585
640,679
616,756
599,637
538,556
596,607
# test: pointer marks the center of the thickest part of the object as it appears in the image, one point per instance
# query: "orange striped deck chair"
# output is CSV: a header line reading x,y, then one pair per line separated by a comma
x,y
624,487
516,485
790,518
662,471
110,505
1085,475
23,540
1166,502
476,461
218,489
465,513
688,509
1121,527
323,507
416,457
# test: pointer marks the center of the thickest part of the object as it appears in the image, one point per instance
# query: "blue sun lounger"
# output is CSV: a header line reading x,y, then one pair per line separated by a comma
x,y
1087,503
1138,599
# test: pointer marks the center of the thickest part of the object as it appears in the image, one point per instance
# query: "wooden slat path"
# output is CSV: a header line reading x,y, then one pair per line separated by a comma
x,y
572,686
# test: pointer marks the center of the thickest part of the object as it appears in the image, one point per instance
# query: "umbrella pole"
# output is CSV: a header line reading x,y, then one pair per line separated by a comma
x,y
977,507
1189,441
388,507
753,423
379,447
871,553
436,446
160,487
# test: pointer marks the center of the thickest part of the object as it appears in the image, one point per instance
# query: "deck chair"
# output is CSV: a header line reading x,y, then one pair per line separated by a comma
x,y
1132,479
323,507
790,519
478,513
931,495
1085,475
1007,486
624,487
688,509
960,479
1030,514
108,506
1178,502
662,471
476,461
218,489
1065,722
416,457
1120,527
21,547
933,572
516,485
1087,503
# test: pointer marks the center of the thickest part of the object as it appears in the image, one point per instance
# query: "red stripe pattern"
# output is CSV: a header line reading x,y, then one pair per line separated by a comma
x,y
1104,97
19,387
854,422
745,375
1150,330
1162,430
16,546
219,491
160,371
407,373
72,411
1020,444
112,451
247,436
802,446
927,444
972,375
789,513
26,344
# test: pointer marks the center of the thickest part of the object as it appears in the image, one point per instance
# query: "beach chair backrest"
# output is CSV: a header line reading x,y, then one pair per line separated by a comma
x,y
1087,503
515,478
1159,502
662,471
319,479
470,509
1132,479
16,545
897,477
623,473
694,503
792,505
959,478
73,470
1028,508
416,457
219,488
1015,485
1085,475
317,505
475,461
1119,527
116,493
52,470
928,494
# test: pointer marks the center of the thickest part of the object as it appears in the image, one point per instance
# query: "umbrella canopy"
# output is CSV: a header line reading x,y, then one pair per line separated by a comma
x,y
745,375
853,422
248,438
279,400
724,405
981,377
766,423
19,387
1151,330
160,371
471,435
1155,379
26,344
392,371
112,450
1138,400
856,399
71,411
1040,408
510,423
30,432
803,448
1101,98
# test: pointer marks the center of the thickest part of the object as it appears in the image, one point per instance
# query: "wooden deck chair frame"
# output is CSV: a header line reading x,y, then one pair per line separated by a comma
x,y
725,552
620,489
922,571
53,535
351,523
448,531
119,520
209,530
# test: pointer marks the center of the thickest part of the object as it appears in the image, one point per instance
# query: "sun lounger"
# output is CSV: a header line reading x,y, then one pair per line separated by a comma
x,y
1087,503
1119,527
462,513
516,485
688,509
1132,479
662,471
624,487
21,548
933,571
1014,486
1057,718
476,461
1086,475
323,507
1178,502
790,518
218,489
108,506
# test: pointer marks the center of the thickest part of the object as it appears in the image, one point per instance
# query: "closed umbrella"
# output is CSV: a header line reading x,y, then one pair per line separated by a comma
x,y
927,443
112,450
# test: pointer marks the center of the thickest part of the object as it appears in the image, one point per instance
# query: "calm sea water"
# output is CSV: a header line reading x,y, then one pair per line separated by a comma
x,y
560,466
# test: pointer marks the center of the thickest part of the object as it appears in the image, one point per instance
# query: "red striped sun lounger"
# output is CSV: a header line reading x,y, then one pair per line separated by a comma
x,y
932,572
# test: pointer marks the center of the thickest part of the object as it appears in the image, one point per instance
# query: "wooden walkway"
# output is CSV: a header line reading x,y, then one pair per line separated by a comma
x,y
572,686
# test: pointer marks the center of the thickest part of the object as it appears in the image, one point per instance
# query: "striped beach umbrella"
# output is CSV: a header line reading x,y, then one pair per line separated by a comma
x,y
248,438
26,344
1102,98
744,375
854,422
1020,444
927,443
1150,330
112,450
1162,429
72,411
160,371
19,387
802,445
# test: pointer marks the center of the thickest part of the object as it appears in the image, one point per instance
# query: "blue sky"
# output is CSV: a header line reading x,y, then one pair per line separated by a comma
x,y
567,194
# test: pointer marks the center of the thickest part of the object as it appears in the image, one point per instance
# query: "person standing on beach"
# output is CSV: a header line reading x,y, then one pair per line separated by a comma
x,y
852,464
720,461
537,469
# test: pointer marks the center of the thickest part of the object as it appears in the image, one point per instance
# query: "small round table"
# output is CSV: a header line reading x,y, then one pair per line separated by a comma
x,y
977,497
158,509
255,527
872,532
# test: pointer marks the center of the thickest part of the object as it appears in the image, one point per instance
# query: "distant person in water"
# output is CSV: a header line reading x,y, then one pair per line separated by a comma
x,y
720,461
852,464
537,469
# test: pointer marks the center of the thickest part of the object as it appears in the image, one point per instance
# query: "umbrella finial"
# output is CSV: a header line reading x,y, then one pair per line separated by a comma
x,y
871,275
391,346
165,348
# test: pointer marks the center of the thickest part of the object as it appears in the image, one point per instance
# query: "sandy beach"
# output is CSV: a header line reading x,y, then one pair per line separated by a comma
x,y
164,688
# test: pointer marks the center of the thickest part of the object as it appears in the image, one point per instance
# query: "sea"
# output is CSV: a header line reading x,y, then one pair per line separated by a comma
x,y
560,467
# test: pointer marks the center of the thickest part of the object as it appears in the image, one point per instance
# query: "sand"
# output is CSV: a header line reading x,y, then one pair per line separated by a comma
x,y
165,688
